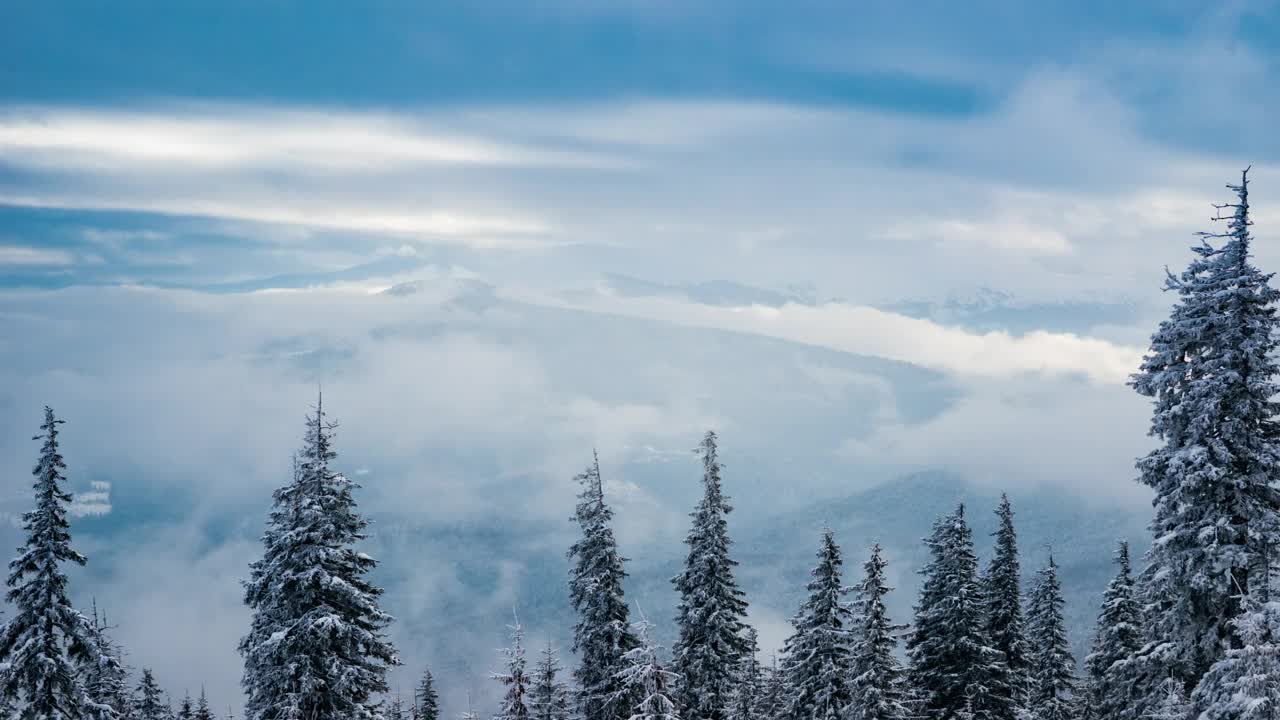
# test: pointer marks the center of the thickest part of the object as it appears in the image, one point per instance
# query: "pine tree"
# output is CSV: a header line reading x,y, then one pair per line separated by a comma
x,y
549,696
514,678
47,642
395,709
1171,703
1211,373
1003,615
106,681
150,703
877,678
603,633
819,652
316,648
202,707
1052,686
426,699
773,695
953,669
748,680
1118,637
711,617
1245,685
470,714
185,711
644,681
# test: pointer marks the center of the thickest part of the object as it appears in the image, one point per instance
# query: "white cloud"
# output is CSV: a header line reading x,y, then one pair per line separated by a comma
x,y
17,255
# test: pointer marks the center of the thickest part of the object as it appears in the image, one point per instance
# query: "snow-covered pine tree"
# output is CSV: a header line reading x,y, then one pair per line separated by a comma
x,y
819,653
514,678
202,707
395,709
1003,615
644,681
877,677
602,634
47,642
1117,638
150,703
748,680
426,699
711,616
1172,703
1052,680
772,704
1211,373
470,714
185,710
549,696
1245,685
106,681
953,670
316,648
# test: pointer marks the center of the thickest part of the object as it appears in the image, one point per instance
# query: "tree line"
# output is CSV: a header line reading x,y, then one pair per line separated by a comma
x,y
1194,633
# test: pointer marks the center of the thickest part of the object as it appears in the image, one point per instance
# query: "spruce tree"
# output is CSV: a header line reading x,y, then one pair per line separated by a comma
x,y
819,652
1245,685
603,633
514,679
202,707
1052,686
47,643
106,681
1003,615
711,617
1211,374
748,680
643,681
877,677
395,709
549,696
954,670
150,703
185,710
316,648
1171,703
773,695
426,699
1117,638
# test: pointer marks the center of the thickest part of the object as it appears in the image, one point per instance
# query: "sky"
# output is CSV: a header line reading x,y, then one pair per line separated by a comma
x,y
859,241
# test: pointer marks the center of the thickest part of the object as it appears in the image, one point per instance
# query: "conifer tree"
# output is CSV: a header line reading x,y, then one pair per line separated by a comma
x,y
150,703
953,669
1052,686
1245,685
773,695
644,681
514,678
1003,615
106,681
711,617
877,677
1171,703
202,707
549,696
603,633
316,648
185,711
1211,374
426,699
47,642
819,652
1117,638
395,709
748,680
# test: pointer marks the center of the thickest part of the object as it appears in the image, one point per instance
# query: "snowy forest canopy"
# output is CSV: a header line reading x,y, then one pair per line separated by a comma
x,y
1191,632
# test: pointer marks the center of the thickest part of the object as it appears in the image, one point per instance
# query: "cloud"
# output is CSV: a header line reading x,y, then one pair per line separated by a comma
x,y
15,255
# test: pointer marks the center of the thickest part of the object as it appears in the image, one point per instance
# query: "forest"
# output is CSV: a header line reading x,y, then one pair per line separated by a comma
x,y
1190,630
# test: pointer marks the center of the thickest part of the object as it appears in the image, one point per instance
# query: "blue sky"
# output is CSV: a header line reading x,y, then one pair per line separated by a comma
x,y
860,240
